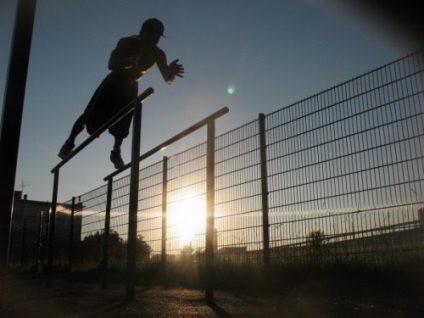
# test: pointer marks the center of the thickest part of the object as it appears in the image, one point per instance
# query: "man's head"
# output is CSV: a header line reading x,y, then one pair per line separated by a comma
x,y
152,28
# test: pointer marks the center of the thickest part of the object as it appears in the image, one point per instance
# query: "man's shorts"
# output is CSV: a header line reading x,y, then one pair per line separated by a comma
x,y
115,92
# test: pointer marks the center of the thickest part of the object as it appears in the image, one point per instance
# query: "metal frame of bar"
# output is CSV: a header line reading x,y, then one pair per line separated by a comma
x,y
164,209
52,220
133,205
71,235
105,260
133,201
177,137
210,213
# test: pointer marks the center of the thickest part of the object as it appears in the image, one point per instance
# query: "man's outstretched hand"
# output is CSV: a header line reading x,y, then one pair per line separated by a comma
x,y
176,69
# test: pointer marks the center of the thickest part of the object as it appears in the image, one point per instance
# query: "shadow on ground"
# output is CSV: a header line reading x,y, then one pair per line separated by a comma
x,y
310,297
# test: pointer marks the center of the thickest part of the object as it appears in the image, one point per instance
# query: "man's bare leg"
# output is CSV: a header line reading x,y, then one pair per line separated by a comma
x,y
69,144
115,155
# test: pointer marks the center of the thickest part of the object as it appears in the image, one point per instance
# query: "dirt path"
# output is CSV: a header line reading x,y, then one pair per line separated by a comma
x,y
30,298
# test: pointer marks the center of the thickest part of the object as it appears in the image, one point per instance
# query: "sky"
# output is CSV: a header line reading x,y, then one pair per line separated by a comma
x,y
248,55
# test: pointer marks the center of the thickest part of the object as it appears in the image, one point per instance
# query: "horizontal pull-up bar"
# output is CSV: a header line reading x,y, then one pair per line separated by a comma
x,y
182,134
124,111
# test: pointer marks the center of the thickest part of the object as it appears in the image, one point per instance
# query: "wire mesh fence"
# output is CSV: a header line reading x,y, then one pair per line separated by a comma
x,y
340,177
348,163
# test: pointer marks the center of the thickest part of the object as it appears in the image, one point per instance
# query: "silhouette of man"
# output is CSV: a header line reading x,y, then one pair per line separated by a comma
x,y
128,62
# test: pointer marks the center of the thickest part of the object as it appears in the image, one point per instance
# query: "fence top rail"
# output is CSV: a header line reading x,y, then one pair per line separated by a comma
x,y
166,143
124,111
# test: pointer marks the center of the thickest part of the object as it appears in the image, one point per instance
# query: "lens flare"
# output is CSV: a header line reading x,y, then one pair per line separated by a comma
x,y
230,90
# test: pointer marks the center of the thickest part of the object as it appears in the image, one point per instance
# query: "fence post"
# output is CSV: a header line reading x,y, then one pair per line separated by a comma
x,y
164,209
52,223
210,211
264,188
105,260
71,236
133,204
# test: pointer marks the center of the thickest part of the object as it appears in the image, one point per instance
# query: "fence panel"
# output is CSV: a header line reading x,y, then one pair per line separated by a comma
x,y
347,163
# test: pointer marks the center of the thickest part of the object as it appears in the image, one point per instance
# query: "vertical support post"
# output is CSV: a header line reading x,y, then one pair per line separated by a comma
x,y
133,203
11,120
264,186
71,236
105,260
52,224
164,209
45,238
210,212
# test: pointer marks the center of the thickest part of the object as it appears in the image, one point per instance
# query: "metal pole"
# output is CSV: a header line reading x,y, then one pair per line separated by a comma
x,y
52,223
45,239
71,236
210,211
11,120
107,230
133,204
164,208
264,184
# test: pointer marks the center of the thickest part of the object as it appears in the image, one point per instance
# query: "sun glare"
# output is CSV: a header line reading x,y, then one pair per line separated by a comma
x,y
187,218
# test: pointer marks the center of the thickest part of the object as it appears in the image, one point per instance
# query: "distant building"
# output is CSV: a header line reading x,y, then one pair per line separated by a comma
x,y
30,222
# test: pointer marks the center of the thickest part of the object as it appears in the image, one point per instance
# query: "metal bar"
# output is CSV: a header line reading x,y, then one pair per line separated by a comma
x,y
56,169
52,221
11,120
164,209
71,236
133,204
264,188
177,137
210,211
124,111
106,233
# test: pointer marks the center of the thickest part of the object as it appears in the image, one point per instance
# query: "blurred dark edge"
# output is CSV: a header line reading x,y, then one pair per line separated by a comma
x,y
403,16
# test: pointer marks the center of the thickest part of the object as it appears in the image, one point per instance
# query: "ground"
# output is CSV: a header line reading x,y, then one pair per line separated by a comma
x,y
29,297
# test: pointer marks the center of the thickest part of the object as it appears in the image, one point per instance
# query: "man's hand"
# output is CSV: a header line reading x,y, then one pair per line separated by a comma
x,y
176,69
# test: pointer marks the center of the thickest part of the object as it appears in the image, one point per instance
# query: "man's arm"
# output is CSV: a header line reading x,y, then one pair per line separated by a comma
x,y
168,71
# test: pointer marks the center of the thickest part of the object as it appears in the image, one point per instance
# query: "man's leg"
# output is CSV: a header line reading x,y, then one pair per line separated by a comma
x,y
119,131
118,143
78,127
69,144
115,155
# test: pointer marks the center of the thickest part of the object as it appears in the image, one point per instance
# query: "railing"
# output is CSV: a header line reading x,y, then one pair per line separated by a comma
x,y
134,190
135,106
133,204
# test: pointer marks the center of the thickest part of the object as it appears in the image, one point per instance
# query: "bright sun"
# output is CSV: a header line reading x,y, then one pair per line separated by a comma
x,y
187,218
